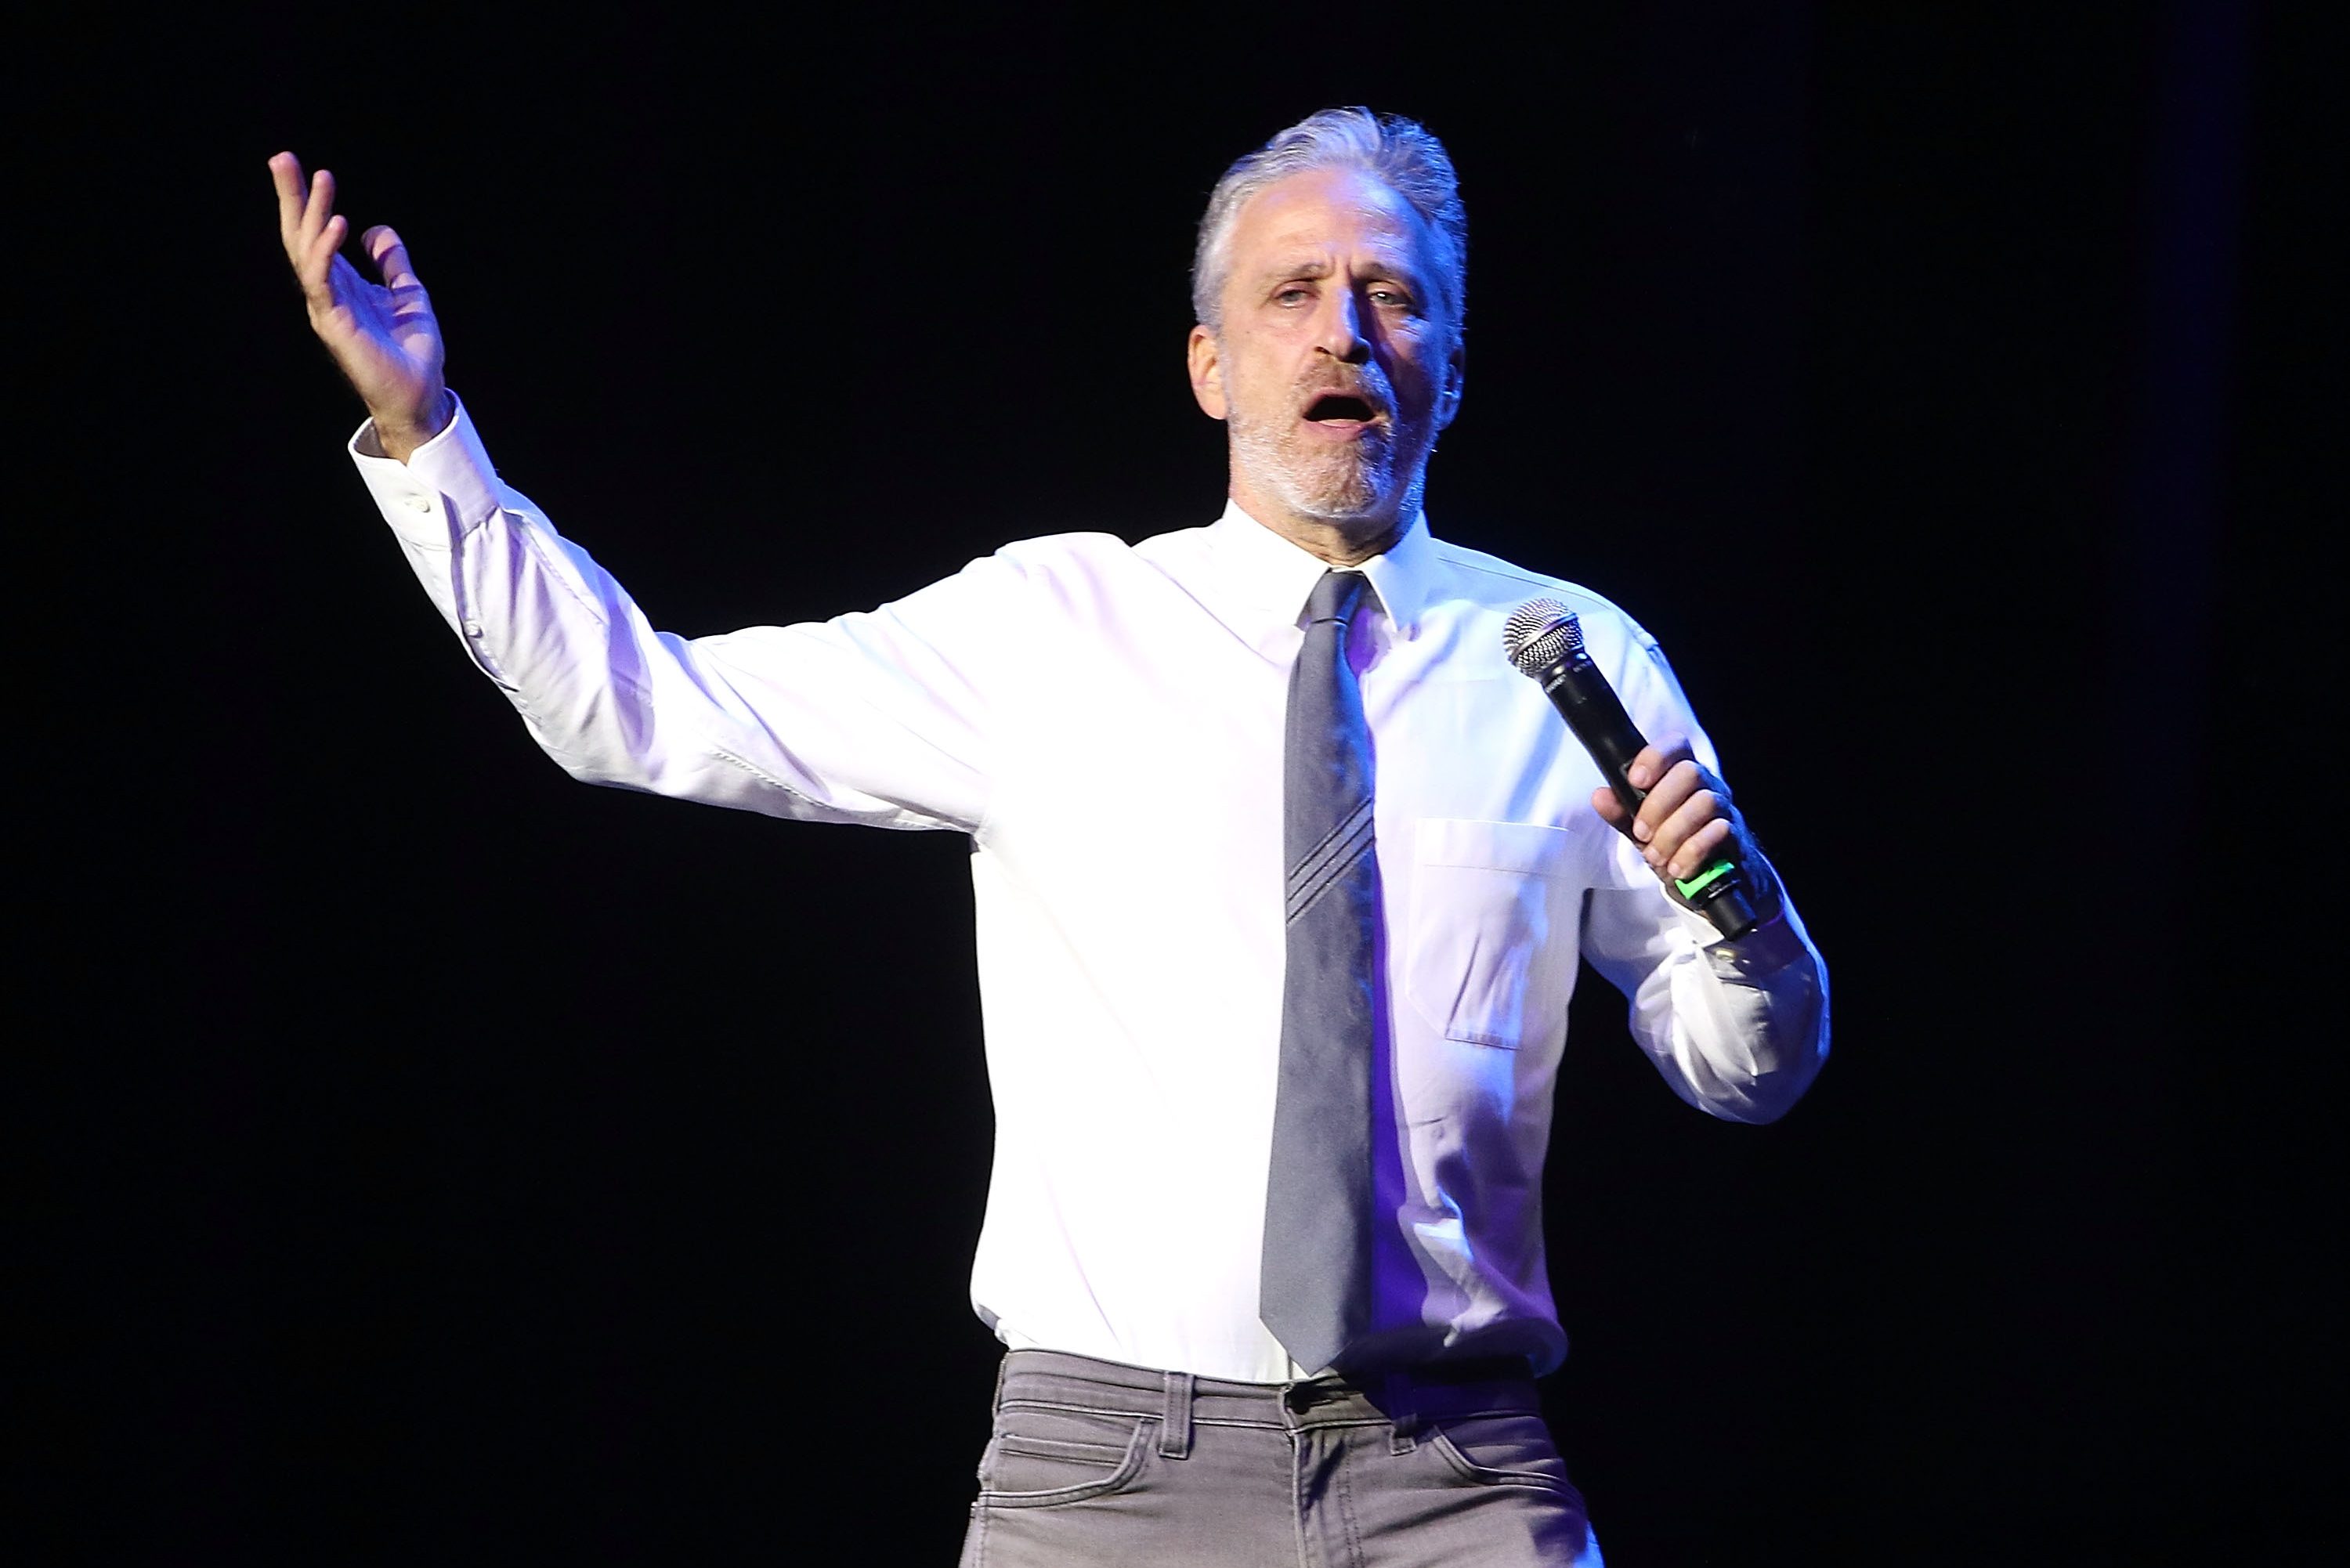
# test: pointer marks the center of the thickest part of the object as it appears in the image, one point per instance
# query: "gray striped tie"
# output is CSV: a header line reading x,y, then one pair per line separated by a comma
x,y
1315,1294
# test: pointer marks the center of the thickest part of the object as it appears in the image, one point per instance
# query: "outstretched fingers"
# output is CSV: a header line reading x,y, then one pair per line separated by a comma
x,y
285,173
310,228
382,337
317,261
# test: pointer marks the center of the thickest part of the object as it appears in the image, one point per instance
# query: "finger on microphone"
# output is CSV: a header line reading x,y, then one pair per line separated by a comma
x,y
1703,848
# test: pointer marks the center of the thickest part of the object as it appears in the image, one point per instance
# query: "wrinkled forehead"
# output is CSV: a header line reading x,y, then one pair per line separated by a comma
x,y
1319,212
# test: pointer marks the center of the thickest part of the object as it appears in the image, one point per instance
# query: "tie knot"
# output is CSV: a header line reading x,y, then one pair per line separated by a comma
x,y
1335,596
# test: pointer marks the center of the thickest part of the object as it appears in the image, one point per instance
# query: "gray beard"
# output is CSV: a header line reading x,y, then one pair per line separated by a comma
x,y
1364,481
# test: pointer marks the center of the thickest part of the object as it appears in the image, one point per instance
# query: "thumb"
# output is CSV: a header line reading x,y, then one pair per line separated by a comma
x,y
1611,810
390,252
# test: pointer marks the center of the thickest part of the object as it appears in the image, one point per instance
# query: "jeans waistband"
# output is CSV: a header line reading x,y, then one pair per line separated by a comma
x,y
1440,1391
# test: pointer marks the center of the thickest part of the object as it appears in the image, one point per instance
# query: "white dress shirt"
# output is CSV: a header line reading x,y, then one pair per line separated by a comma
x,y
1105,722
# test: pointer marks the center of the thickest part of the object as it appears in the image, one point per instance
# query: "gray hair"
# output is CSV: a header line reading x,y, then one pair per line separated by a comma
x,y
1398,152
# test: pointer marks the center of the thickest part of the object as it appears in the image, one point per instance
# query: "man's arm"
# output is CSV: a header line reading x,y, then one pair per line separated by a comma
x,y
1738,1028
877,718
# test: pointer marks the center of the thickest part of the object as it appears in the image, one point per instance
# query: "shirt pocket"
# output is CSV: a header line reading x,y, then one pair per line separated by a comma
x,y
1496,915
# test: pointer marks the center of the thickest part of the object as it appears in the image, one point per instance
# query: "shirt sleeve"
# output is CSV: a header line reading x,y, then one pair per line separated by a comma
x,y
1738,1029
877,718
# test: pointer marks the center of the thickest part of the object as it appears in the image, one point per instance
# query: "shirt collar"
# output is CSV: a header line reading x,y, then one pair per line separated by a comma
x,y
1276,575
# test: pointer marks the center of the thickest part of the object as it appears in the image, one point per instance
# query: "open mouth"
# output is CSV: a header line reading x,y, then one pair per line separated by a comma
x,y
1341,407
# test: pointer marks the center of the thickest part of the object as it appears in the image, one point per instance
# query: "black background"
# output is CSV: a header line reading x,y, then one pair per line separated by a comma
x,y
454,1164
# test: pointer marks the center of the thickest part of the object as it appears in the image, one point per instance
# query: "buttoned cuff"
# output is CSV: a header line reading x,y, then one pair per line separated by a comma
x,y
446,489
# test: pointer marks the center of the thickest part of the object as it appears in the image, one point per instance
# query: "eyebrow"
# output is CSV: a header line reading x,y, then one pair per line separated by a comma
x,y
1319,267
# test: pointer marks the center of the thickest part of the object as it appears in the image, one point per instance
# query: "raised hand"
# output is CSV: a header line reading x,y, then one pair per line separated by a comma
x,y
382,335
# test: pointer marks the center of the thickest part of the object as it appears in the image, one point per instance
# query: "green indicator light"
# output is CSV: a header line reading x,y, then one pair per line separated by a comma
x,y
1704,879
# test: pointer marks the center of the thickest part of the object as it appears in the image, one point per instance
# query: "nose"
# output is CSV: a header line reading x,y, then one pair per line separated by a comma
x,y
1342,328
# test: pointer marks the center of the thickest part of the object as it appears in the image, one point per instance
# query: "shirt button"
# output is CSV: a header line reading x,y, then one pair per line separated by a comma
x,y
472,629
417,503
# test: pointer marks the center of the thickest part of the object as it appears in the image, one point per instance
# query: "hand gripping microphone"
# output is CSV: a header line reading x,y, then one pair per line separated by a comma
x,y
1544,640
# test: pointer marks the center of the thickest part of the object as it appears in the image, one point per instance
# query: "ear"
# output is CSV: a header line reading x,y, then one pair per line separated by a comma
x,y
1207,366
1448,392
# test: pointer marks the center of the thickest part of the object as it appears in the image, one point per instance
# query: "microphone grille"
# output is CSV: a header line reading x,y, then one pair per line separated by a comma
x,y
1541,633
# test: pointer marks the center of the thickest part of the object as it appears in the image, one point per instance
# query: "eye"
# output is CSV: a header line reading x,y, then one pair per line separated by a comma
x,y
1291,294
1388,297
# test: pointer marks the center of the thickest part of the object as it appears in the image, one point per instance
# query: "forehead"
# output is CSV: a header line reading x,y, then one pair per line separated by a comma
x,y
1321,211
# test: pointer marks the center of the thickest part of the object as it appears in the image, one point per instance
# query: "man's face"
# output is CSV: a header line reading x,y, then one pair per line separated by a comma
x,y
1337,361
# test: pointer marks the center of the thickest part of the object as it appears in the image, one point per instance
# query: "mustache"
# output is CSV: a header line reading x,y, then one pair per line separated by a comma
x,y
1366,385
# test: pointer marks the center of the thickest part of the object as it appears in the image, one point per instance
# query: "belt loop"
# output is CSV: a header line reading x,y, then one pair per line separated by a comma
x,y
1175,1418
996,1404
1403,1410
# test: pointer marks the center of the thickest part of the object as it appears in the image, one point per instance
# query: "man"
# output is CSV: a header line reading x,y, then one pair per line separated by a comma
x,y
1281,875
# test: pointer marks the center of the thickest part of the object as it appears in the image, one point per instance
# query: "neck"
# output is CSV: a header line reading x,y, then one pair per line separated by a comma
x,y
1342,543
1340,540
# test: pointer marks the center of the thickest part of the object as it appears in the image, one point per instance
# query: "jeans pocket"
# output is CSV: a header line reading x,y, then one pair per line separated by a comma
x,y
1504,1451
1040,1455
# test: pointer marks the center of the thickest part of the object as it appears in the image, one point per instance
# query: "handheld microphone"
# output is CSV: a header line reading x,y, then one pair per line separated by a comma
x,y
1544,640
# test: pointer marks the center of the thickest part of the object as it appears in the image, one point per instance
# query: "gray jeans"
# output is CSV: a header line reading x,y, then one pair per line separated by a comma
x,y
1097,1465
